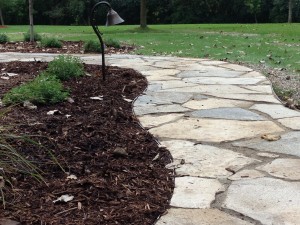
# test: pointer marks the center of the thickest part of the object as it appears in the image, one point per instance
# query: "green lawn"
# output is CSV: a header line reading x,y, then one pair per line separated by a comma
x,y
277,45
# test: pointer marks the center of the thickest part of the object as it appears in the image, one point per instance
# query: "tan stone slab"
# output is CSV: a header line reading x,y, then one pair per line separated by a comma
x,y
254,74
292,123
266,89
283,168
150,121
165,72
248,97
187,192
174,84
204,160
178,216
213,103
163,78
268,155
212,62
150,109
214,89
246,174
223,80
211,130
276,111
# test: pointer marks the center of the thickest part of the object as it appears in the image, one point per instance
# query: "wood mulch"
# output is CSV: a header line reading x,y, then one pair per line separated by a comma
x,y
118,167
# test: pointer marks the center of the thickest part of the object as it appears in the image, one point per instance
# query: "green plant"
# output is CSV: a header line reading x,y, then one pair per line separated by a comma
x,y
112,43
3,38
66,67
36,36
44,89
92,46
51,43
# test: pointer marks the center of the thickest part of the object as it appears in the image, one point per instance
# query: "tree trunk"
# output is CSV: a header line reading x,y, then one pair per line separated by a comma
x,y
143,14
290,18
1,17
31,21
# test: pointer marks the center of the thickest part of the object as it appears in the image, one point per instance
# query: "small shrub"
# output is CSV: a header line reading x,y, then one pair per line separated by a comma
x,y
3,38
112,43
36,36
92,46
66,67
44,89
51,43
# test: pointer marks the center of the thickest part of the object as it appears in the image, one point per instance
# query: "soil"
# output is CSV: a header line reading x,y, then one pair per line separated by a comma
x,y
120,175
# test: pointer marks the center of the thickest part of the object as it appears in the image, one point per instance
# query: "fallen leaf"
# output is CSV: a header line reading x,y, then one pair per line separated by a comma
x,y
71,177
271,137
64,198
100,98
53,112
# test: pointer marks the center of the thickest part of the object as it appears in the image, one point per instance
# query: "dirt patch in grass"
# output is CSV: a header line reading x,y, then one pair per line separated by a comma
x,y
98,141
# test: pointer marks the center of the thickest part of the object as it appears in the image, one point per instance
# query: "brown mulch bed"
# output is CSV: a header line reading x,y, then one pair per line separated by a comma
x,y
86,136
68,47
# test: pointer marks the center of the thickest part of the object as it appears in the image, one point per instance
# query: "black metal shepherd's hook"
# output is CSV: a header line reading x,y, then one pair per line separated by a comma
x,y
112,19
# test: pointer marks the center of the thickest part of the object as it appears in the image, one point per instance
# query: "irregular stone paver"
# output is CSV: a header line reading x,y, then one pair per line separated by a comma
x,y
162,98
207,72
212,103
210,130
288,144
222,80
268,155
236,67
276,111
199,217
292,123
142,110
247,97
227,113
149,121
283,168
204,160
270,201
164,72
246,174
174,84
187,195
265,89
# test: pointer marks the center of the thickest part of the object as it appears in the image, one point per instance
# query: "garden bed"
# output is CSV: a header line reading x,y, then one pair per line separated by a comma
x,y
98,141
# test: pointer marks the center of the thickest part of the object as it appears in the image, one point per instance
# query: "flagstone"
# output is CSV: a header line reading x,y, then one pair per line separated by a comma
x,y
179,216
292,123
212,103
227,113
206,71
276,111
246,174
288,144
149,121
187,195
269,201
237,67
210,130
283,168
248,97
204,160
222,80
150,109
163,98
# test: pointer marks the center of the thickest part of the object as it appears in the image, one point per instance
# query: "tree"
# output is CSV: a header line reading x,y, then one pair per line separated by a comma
x,y
3,4
290,17
143,14
31,20
254,7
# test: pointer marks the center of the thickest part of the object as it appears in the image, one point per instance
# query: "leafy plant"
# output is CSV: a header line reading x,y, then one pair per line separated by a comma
x,y
66,67
92,46
44,89
3,38
36,36
112,43
51,43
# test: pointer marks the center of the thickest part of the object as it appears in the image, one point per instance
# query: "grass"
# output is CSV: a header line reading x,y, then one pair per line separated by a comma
x,y
276,45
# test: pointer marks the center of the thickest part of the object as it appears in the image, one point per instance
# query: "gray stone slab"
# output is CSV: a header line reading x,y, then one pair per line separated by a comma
x,y
276,111
163,98
288,144
270,201
222,80
150,109
179,216
227,113
212,72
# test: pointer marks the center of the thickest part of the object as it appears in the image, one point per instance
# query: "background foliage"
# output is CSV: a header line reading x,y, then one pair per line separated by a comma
x,y
76,12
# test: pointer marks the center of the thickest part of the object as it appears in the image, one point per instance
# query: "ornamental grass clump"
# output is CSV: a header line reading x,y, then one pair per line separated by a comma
x,y
112,43
92,46
36,36
66,67
51,43
3,38
43,90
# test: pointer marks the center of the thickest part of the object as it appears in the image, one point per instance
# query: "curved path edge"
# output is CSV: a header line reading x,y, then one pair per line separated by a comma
x,y
236,148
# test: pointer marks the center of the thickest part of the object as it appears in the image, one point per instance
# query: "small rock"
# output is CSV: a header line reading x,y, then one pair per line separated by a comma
x,y
4,78
53,112
29,105
120,152
70,100
100,98
64,198
270,137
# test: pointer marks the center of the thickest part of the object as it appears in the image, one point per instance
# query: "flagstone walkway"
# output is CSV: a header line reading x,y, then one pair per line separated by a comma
x,y
236,148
